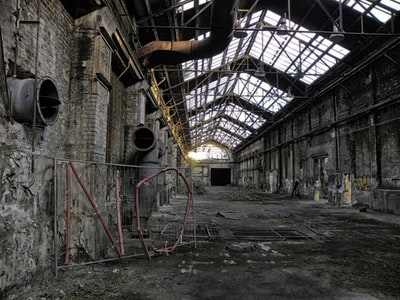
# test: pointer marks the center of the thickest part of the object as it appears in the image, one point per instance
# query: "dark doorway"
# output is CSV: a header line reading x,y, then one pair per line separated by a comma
x,y
220,176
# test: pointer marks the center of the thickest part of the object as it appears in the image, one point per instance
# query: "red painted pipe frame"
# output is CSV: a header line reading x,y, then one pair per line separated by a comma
x,y
93,203
119,226
183,225
68,214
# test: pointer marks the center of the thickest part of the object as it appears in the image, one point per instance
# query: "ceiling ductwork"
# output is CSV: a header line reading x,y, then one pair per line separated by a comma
x,y
223,18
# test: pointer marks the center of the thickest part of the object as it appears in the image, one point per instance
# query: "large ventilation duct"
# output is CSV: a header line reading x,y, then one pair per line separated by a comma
x,y
22,97
143,140
149,152
223,18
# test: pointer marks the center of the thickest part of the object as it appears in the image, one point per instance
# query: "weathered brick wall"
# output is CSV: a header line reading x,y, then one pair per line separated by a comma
x,y
95,122
71,55
88,108
351,133
116,122
53,60
26,208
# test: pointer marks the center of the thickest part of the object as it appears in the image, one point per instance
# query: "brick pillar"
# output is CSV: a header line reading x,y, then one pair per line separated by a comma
x,y
90,85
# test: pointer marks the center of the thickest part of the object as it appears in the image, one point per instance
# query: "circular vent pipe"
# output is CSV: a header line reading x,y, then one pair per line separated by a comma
x,y
143,139
22,100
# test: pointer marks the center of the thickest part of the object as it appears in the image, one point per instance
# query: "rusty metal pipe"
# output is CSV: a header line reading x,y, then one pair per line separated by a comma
x,y
149,150
223,18
33,96
143,139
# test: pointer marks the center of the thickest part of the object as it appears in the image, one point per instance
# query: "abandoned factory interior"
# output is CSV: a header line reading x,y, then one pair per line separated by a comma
x,y
200,149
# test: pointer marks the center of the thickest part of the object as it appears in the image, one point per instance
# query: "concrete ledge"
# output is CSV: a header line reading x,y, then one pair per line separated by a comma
x,y
387,201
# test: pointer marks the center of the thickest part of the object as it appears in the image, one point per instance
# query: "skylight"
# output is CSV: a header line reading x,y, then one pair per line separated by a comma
x,y
206,93
260,93
186,5
379,10
302,54
230,103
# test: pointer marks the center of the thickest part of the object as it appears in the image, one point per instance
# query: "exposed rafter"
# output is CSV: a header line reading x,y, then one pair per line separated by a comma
x,y
241,89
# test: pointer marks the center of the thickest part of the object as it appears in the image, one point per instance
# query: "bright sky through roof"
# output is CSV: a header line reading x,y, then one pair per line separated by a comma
x,y
302,55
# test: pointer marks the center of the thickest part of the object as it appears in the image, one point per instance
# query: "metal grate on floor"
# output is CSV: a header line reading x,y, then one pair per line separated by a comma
x,y
269,234
202,232
206,232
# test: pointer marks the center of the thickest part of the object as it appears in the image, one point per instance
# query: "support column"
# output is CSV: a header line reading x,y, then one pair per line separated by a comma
x,y
90,89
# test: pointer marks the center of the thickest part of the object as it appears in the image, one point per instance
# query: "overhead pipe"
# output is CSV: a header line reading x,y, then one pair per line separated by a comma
x,y
223,19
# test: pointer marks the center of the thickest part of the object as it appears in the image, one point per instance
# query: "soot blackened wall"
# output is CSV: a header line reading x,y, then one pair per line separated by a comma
x,y
345,144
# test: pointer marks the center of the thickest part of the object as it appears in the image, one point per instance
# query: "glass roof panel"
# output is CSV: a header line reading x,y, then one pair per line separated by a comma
x,y
188,69
288,53
186,5
226,138
301,54
259,92
379,10
234,128
205,94
245,44
242,115
203,117
231,51
285,52
205,129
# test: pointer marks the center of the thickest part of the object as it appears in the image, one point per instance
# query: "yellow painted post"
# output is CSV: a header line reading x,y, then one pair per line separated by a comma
x,y
347,189
317,187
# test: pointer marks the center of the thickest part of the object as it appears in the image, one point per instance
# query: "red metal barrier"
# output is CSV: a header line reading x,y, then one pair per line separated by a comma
x,y
68,214
93,203
117,200
140,229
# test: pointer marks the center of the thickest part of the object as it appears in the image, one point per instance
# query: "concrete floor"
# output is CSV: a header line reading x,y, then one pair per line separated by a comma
x,y
250,246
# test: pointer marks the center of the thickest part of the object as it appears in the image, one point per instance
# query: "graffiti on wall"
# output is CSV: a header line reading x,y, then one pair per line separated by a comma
x,y
362,183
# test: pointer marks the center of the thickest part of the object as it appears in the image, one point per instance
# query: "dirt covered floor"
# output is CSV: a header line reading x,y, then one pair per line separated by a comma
x,y
249,246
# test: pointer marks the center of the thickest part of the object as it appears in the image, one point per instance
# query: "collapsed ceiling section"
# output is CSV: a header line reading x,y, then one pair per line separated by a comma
x,y
225,68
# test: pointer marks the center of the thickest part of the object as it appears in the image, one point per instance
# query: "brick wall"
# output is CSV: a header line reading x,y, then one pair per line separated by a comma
x,y
350,132
26,207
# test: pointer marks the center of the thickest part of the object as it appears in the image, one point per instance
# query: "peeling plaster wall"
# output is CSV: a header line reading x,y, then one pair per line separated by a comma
x,y
73,53
26,208
25,217
343,145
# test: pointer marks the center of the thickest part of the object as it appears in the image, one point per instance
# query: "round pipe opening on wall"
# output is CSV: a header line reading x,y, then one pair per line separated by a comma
x,y
143,139
22,100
